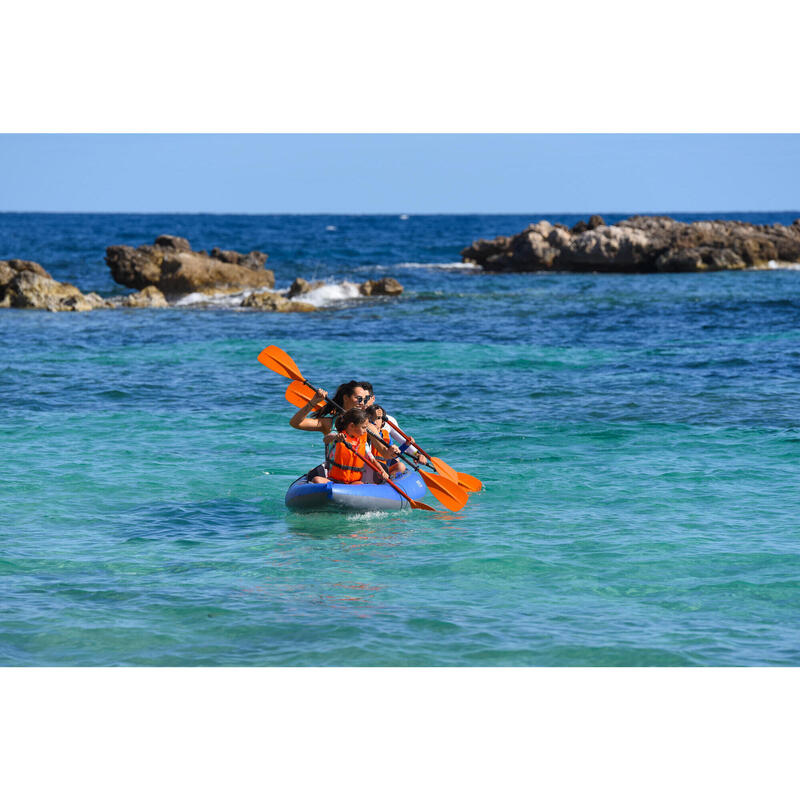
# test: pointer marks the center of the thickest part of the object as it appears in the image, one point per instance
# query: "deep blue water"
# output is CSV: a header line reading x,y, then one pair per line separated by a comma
x,y
638,438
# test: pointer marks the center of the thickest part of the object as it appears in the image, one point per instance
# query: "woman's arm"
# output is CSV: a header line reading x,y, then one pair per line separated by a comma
x,y
300,419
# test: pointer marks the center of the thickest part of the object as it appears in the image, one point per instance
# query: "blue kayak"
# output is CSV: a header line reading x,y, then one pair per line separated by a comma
x,y
353,498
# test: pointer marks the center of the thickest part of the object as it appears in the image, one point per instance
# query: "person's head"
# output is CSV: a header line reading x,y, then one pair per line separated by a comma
x,y
348,395
367,387
377,416
352,422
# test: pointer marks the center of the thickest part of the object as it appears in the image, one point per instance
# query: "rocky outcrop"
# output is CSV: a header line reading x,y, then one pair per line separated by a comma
x,y
387,286
638,244
175,269
272,301
149,297
26,284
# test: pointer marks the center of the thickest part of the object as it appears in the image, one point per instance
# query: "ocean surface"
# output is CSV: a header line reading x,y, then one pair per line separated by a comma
x,y
638,438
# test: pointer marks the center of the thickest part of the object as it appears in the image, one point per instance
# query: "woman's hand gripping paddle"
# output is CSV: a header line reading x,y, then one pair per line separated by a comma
x,y
447,491
370,463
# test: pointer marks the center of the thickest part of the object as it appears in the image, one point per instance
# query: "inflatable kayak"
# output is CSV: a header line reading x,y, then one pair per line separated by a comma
x,y
305,496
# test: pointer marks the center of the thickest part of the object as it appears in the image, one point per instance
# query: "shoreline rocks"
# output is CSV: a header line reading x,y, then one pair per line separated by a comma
x,y
167,272
639,244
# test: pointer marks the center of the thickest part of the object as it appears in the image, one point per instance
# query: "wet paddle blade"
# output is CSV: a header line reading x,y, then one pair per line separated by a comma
x,y
278,361
444,469
422,506
298,394
449,494
469,482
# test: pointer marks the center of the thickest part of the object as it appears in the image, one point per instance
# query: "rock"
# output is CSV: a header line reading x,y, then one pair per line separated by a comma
x,y
32,289
638,244
302,286
149,297
385,286
177,243
171,266
272,301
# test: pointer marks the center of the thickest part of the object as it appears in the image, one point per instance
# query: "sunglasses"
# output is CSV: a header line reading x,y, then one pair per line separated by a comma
x,y
362,399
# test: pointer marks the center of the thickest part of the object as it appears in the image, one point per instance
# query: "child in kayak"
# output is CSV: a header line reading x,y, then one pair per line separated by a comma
x,y
345,449
405,445
377,420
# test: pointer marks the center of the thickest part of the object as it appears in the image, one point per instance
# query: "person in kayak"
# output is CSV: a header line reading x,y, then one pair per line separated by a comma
x,y
404,445
347,449
377,420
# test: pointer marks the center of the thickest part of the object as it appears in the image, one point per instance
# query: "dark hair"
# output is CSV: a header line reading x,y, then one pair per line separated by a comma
x,y
368,386
338,400
372,412
355,416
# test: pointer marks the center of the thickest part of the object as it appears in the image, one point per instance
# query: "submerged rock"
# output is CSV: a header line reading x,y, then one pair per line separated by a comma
x,y
175,269
272,301
638,244
387,286
302,286
26,284
149,297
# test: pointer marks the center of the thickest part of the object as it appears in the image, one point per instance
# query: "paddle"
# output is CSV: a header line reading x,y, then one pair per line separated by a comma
x,y
447,491
300,393
413,503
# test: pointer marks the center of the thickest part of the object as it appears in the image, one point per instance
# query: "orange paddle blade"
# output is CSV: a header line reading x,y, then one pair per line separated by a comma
x,y
278,361
449,494
469,482
444,469
421,506
298,394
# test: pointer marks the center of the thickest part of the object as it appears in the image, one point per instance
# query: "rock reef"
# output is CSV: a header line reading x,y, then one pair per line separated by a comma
x,y
166,272
640,244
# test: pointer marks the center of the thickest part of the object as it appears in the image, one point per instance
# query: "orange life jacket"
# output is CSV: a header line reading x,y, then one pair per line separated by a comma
x,y
387,439
345,466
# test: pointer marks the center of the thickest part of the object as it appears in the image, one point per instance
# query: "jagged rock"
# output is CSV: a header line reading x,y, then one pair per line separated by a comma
x,y
171,266
178,243
149,297
272,301
387,286
638,244
302,286
25,284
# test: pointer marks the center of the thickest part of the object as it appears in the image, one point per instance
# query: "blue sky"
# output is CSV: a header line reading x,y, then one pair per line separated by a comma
x,y
395,173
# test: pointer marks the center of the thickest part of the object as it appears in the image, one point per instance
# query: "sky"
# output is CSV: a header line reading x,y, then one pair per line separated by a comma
x,y
396,173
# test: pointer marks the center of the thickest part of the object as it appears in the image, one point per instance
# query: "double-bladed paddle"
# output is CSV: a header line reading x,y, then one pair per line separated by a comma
x,y
447,491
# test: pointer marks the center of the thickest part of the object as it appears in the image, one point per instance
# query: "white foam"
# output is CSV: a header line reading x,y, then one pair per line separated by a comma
x,y
220,300
331,294
330,227
404,216
782,265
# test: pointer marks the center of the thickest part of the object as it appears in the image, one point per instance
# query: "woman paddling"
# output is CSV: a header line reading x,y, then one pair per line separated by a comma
x,y
406,445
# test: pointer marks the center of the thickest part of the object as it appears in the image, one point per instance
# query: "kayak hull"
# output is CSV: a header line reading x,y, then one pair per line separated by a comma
x,y
353,498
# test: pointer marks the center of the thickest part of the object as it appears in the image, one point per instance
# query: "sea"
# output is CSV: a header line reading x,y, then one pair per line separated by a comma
x,y
637,436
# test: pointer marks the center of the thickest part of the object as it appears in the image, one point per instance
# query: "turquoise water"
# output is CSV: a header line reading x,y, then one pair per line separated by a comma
x,y
637,436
